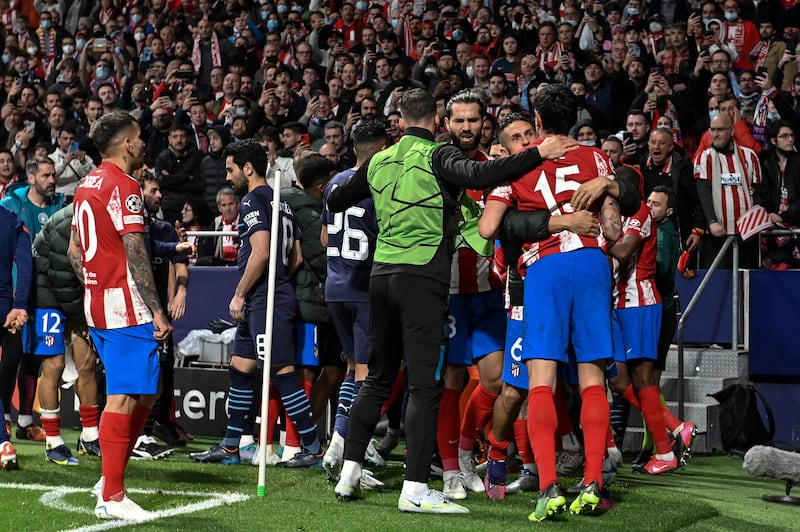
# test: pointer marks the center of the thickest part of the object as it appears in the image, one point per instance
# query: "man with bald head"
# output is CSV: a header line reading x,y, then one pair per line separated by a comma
x,y
329,150
727,176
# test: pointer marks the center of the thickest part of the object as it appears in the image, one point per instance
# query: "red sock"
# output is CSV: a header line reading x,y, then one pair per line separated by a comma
x,y
473,380
447,429
51,425
523,441
138,419
307,387
595,418
115,440
653,413
90,415
476,415
292,436
630,395
273,411
564,421
670,421
397,392
498,449
542,424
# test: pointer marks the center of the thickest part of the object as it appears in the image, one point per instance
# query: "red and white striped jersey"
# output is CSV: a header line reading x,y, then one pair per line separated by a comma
x,y
551,186
732,178
636,286
108,205
471,273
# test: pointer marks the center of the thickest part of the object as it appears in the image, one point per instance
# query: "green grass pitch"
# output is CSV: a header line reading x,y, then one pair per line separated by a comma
x,y
710,493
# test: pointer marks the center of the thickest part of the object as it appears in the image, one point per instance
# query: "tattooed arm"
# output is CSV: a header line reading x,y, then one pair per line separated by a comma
x,y
74,253
142,272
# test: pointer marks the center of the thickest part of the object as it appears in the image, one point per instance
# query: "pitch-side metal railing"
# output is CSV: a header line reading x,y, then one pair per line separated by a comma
x,y
730,241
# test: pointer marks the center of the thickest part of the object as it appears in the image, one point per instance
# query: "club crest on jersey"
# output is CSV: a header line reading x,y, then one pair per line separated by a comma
x,y
515,370
49,340
133,203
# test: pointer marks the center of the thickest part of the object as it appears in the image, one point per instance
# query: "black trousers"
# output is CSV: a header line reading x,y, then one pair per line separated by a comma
x,y
407,317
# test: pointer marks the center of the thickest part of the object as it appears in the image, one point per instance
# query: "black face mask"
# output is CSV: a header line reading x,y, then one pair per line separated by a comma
x,y
581,99
271,58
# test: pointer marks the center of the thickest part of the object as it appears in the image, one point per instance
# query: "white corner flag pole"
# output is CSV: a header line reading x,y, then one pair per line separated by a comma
x,y
266,354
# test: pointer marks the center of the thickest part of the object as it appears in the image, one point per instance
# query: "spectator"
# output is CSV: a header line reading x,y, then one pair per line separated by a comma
x,y
780,195
72,164
194,217
727,175
221,250
212,166
178,171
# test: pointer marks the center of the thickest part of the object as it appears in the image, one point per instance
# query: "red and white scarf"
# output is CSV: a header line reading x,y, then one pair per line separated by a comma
x,y
216,56
549,58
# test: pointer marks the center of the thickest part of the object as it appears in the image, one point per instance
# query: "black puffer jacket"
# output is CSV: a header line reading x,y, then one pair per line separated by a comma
x,y
57,286
309,281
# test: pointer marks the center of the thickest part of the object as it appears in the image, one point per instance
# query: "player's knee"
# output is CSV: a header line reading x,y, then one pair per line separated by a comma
x,y
53,367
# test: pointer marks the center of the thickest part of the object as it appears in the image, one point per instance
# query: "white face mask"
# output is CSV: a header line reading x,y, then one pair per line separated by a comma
x,y
68,49
587,143
470,72
139,36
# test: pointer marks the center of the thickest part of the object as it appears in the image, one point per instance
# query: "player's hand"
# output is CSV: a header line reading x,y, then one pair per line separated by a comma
x,y
693,242
184,248
556,146
716,229
177,307
236,308
583,223
775,218
589,192
162,326
15,319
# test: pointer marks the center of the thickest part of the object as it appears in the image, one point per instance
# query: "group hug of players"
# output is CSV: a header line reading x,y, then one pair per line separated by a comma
x,y
568,296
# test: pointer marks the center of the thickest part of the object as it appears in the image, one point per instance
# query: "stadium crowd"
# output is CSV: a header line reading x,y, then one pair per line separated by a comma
x,y
693,105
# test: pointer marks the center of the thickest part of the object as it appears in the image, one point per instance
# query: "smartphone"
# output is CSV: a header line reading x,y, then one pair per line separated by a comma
x,y
269,85
30,125
655,71
633,49
590,11
627,136
184,74
564,53
762,71
73,147
194,94
305,138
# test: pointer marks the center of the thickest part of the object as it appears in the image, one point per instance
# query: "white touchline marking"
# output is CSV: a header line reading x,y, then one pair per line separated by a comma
x,y
54,494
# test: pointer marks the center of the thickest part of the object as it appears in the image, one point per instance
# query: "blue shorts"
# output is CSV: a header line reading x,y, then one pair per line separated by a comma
x,y
305,347
351,321
568,298
476,326
130,355
250,335
45,336
514,371
641,327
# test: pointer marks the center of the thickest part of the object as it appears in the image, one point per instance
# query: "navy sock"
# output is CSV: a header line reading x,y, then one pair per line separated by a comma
x,y
347,394
620,409
239,402
298,407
